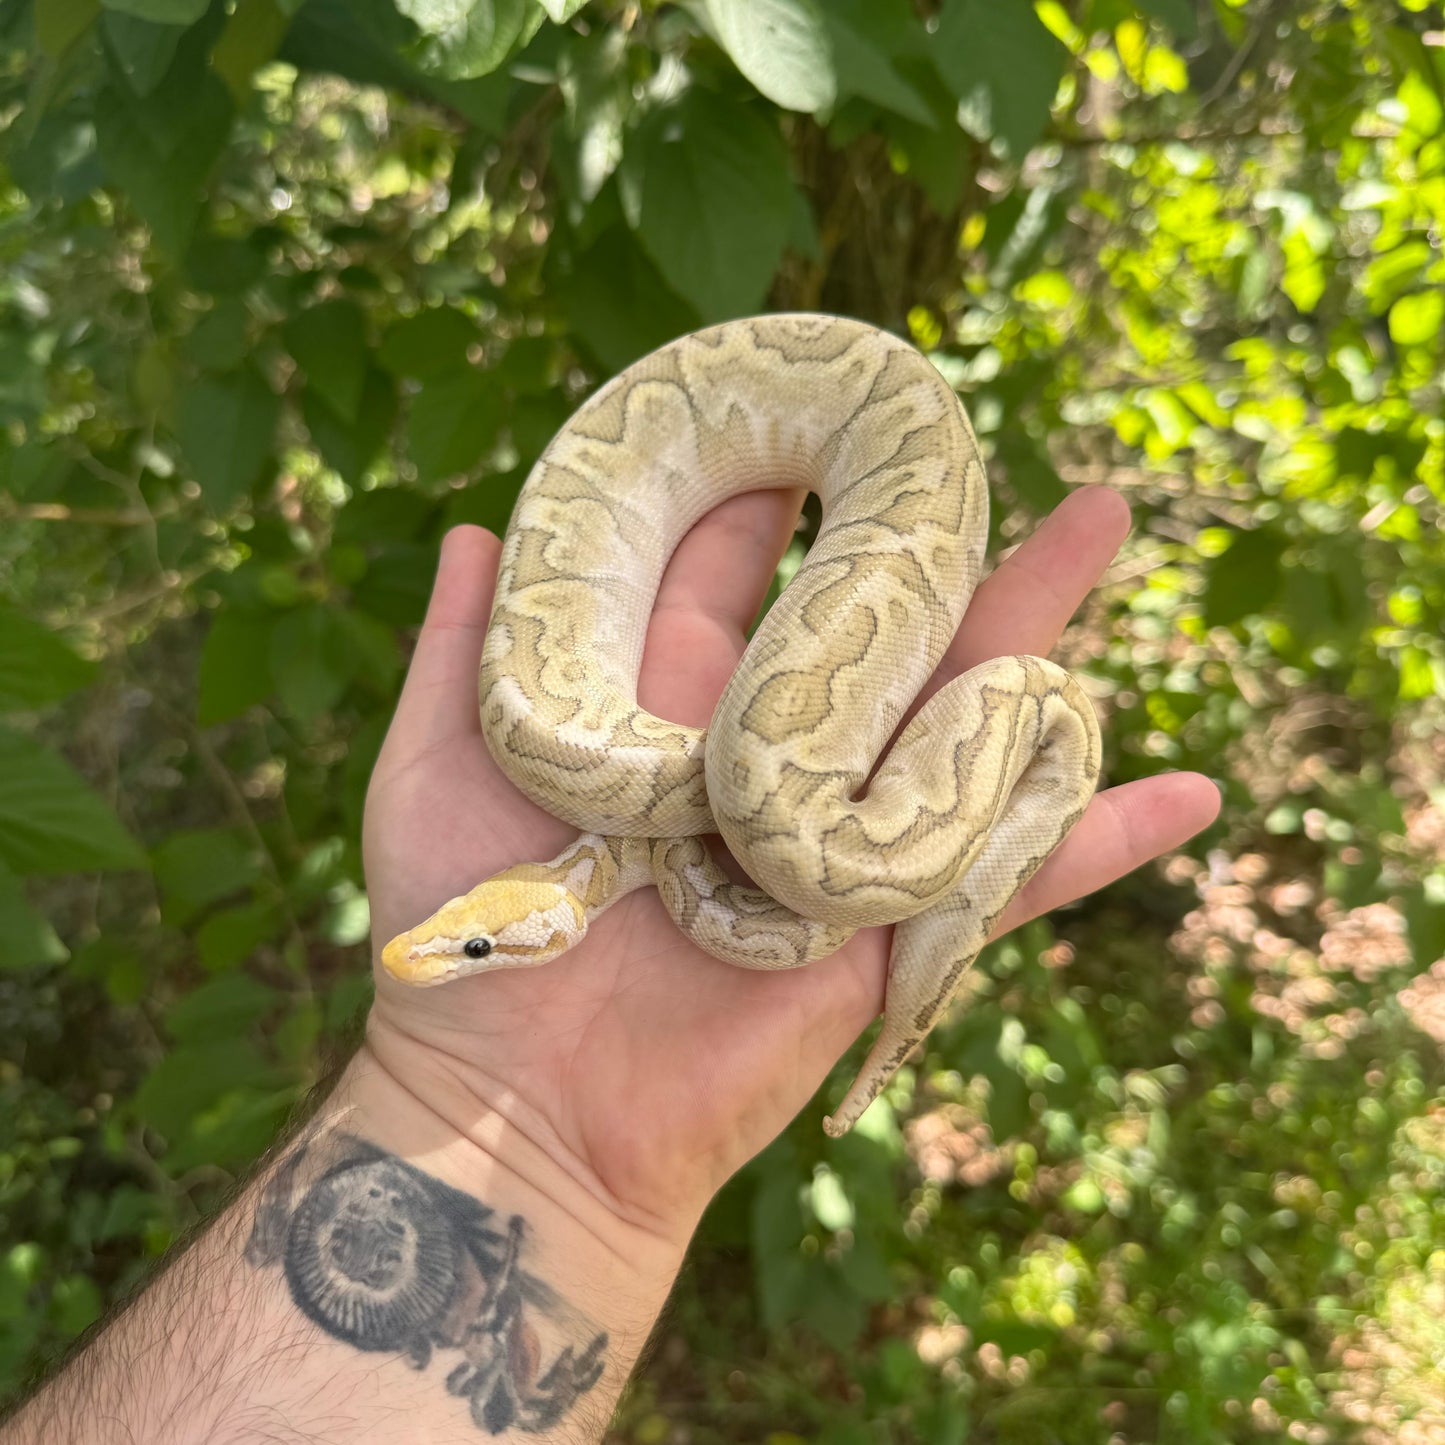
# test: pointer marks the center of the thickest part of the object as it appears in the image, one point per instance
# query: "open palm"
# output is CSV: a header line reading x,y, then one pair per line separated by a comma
x,y
637,1058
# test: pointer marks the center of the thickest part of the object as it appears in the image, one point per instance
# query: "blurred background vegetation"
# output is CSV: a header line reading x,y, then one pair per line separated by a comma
x,y
291,286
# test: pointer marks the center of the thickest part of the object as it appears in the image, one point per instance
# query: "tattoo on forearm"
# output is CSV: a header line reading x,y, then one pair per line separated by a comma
x,y
385,1257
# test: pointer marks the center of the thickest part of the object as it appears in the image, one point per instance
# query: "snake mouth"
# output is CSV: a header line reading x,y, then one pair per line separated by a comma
x,y
409,965
432,980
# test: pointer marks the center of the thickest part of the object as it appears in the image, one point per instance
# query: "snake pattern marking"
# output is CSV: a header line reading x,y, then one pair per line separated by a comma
x,y
979,787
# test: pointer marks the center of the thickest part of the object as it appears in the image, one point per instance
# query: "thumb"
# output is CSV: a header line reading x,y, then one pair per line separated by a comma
x,y
439,700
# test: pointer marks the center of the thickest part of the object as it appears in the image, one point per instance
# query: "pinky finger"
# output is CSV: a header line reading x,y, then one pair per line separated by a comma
x,y
1123,828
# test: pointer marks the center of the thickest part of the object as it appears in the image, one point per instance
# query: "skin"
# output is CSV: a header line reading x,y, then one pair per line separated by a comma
x,y
647,1070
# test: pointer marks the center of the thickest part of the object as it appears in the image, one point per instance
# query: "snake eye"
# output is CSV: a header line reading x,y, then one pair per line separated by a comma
x,y
477,947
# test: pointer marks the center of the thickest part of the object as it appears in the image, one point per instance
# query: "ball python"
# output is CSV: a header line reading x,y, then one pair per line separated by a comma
x,y
976,790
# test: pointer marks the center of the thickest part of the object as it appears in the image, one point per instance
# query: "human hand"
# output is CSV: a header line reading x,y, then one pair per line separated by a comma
x,y
647,1069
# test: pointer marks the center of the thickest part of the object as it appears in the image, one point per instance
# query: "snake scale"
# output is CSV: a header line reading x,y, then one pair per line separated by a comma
x,y
975,791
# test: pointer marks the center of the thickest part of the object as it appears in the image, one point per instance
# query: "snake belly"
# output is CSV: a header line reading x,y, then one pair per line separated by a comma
x,y
839,829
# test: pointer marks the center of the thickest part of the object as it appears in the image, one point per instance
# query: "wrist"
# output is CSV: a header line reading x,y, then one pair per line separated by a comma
x,y
590,1281
452,1120
409,1220
531,1128
402,1270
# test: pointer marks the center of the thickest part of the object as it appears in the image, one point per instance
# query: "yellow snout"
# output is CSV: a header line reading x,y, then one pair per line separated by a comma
x,y
505,922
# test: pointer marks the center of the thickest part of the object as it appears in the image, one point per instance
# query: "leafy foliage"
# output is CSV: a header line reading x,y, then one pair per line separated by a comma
x,y
291,286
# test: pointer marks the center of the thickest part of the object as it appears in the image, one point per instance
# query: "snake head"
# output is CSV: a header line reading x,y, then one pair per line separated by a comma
x,y
503,923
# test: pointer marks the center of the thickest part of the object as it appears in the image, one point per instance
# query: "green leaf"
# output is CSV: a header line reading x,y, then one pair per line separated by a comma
x,y
1181,16
1015,1337
1009,1110
231,935
1421,99
1418,674
1029,471
372,651
831,1205
159,148
60,23
235,672
865,1271
776,1225
361,40
1426,923
1244,580
1394,272
535,420
1358,453
163,12
616,303
140,50
329,344
252,36
193,1077
587,141
453,423
386,514
226,1007
715,202
462,39
1003,66
1085,1196
36,667
129,1212
937,158
75,1305
219,341
50,821
57,158
114,964
226,428
560,11
350,997
231,1131
1357,450
831,1310
200,866
1305,276
26,937
529,367
488,503
429,343
803,230
1415,320
351,447
397,582
349,921
311,660
226,264
864,34
781,46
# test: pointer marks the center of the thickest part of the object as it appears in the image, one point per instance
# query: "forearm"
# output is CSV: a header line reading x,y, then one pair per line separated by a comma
x,y
387,1278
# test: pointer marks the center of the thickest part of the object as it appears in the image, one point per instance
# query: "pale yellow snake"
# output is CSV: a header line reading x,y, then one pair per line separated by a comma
x,y
975,792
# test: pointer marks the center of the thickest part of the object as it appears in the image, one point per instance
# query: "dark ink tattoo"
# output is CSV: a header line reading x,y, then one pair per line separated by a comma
x,y
385,1257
